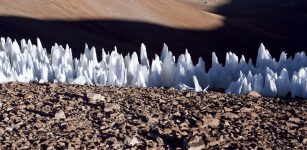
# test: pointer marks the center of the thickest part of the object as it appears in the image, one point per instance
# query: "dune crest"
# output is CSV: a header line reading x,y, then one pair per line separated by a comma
x,y
170,13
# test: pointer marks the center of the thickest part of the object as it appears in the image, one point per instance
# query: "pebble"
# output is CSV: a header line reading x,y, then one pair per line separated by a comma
x,y
254,94
60,115
94,98
295,120
212,122
196,143
230,115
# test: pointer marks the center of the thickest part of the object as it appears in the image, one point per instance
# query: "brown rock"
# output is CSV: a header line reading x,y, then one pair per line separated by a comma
x,y
230,115
167,131
71,128
175,102
295,120
212,122
177,114
39,124
153,120
254,115
289,124
111,107
60,115
213,143
226,109
133,141
214,96
246,110
196,143
253,94
28,96
94,98
30,106
226,123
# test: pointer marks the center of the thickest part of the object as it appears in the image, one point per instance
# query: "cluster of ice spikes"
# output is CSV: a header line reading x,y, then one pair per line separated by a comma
x,y
28,62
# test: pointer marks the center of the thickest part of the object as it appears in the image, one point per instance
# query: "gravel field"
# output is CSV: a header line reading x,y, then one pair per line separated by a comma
x,y
59,116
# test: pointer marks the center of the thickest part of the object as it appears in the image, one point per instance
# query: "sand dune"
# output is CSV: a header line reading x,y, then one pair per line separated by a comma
x,y
170,13
201,26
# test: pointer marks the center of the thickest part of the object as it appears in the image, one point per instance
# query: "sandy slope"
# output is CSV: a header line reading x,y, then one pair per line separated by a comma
x,y
201,26
171,12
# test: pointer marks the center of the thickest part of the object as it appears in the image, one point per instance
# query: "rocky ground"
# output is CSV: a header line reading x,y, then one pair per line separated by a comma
x,y
58,116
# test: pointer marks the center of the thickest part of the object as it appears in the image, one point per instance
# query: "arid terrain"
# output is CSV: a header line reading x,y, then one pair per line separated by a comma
x,y
202,26
61,116
42,116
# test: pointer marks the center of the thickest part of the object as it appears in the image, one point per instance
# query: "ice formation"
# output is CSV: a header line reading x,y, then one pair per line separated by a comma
x,y
27,62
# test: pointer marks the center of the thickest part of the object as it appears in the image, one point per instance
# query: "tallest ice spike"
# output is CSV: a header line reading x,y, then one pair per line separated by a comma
x,y
215,60
263,56
94,55
164,52
143,56
39,44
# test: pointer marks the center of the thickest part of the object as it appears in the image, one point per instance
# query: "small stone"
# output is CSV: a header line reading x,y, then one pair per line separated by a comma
x,y
226,109
9,108
256,106
175,102
60,115
246,110
213,143
162,101
28,96
230,115
303,128
289,124
167,131
295,120
226,123
196,143
254,115
253,94
9,128
30,106
94,98
71,128
212,122
177,114
153,120
39,124
111,107
305,141
53,85
188,94
214,96
160,141
20,107
134,141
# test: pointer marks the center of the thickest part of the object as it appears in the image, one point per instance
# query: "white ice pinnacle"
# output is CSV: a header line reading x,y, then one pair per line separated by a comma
x,y
27,62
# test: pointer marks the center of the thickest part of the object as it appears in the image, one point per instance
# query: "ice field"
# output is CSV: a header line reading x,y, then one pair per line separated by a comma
x,y
27,62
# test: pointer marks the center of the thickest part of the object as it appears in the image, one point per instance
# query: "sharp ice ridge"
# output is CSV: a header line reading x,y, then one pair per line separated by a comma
x,y
27,62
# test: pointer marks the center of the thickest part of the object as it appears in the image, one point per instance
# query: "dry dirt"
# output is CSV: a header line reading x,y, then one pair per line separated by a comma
x,y
47,116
